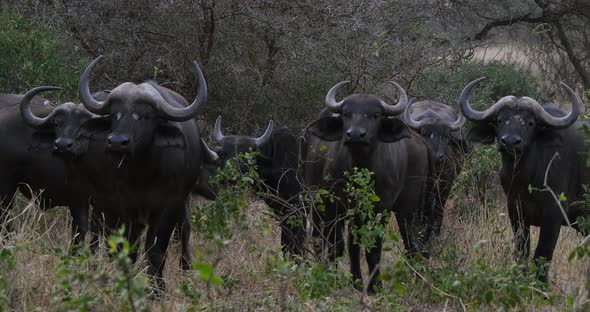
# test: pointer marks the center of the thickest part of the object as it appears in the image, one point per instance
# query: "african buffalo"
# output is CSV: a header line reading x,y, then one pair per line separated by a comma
x,y
541,147
68,122
360,132
440,125
277,166
28,157
150,160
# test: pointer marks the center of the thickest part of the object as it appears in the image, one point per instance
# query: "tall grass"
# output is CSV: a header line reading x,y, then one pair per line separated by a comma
x,y
474,250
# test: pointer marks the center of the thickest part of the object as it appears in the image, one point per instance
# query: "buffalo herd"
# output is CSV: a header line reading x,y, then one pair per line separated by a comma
x,y
135,154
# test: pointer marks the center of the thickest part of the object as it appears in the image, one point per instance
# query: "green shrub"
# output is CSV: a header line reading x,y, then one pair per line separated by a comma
x,y
83,284
473,286
479,174
32,56
445,83
7,263
318,281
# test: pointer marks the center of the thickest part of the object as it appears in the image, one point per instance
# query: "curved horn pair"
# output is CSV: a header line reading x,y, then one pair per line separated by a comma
x,y
218,136
168,111
417,124
388,110
27,113
543,115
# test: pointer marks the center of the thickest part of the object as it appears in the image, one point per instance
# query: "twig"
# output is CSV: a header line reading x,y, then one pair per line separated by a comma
x,y
546,188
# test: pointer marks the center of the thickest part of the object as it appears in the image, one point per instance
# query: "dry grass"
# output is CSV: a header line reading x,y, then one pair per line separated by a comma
x,y
41,238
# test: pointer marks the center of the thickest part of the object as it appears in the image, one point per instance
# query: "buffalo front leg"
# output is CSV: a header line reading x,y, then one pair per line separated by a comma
x,y
157,240
373,261
79,214
185,237
133,233
405,224
328,234
97,228
292,227
521,230
548,237
354,251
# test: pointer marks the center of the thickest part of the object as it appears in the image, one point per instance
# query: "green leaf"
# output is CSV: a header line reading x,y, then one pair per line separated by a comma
x,y
374,198
323,148
562,197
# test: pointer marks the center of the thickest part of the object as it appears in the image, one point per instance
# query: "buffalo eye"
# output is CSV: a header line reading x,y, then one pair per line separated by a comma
x,y
376,116
499,120
135,116
531,124
347,114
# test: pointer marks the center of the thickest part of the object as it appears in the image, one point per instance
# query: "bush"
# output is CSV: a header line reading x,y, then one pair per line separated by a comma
x,y
445,83
32,56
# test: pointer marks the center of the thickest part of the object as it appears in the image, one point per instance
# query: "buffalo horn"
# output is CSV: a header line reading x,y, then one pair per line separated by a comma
x,y
456,125
27,113
558,122
217,135
474,115
393,110
212,157
266,136
182,114
408,118
97,107
331,103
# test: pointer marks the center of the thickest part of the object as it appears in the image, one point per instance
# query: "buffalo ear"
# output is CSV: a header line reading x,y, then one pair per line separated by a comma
x,y
95,128
327,128
168,135
42,140
393,130
482,133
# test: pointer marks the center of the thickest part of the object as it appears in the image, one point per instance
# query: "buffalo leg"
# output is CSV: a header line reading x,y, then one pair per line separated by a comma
x,y
134,235
7,192
405,228
97,228
548,237
335,234
292,228
439,205
157,242
328,232
79,224
292,237
373,261
521,231
185,237
354,251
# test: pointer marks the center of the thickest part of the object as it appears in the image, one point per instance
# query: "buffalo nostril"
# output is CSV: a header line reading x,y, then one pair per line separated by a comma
x,y
62,144
118,140
363,133
510,139
349,133
439,156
